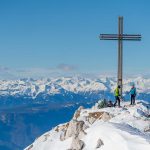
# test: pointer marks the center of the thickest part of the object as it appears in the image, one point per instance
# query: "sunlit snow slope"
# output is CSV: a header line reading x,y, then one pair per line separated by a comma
x,y
125,128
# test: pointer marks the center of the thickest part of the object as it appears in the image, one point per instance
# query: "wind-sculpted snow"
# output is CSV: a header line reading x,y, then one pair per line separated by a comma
x,y
42,88
125,128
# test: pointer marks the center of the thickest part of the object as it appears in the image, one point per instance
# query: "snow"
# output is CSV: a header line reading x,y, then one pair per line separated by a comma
x,y
53,142
113,138
125,130
53,86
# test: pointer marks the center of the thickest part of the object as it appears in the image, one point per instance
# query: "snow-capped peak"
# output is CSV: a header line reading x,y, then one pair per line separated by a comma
x,y
125,128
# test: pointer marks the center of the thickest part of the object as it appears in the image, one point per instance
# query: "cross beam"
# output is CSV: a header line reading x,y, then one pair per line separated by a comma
x,y
120,37
133,37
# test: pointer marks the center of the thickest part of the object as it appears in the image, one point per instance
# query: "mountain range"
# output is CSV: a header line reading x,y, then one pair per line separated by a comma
x,y
34,88
30,107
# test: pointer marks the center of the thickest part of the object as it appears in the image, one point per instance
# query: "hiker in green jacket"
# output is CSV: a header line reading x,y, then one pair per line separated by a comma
x,y
117,94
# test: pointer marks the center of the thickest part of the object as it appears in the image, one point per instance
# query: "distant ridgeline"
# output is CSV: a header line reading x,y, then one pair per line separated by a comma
x,y
66,90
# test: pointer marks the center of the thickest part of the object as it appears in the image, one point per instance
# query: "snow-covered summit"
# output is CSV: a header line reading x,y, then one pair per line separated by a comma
x,y
125,128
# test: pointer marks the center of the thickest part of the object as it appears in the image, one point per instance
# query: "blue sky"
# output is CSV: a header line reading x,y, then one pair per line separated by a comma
x,y
61,36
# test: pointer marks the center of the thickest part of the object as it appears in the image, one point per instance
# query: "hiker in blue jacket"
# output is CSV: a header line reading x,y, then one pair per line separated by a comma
x,y
133,95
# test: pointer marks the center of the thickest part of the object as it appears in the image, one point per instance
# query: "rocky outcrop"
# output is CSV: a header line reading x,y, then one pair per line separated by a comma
x,y
77,113
62,127
77,144
30,147
91,129
93,116
106,116
147,129
46,136
99,143
74,128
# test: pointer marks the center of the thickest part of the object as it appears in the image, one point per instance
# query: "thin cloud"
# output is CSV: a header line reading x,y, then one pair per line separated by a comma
x,y
37,72
4,69
66,67
17,73
6,73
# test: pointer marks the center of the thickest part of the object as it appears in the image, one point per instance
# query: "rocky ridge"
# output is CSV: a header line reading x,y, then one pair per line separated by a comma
x,y
124,128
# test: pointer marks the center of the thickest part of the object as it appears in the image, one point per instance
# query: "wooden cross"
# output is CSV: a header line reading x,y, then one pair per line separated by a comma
x,y
120,37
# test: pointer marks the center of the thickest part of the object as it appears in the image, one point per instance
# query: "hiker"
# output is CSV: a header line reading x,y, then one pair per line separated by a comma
x,y
133,94
117,94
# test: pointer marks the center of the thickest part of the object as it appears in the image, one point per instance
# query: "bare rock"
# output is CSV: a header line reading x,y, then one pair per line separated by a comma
x,y
75,128
77,144
82,134
63,130
93,116
46,136
147,129
77,113
62,127
30,147
63,135
106,116
91,120
99,143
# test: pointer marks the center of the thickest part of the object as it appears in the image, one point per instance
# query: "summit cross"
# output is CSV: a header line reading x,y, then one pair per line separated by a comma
x,y
120,37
